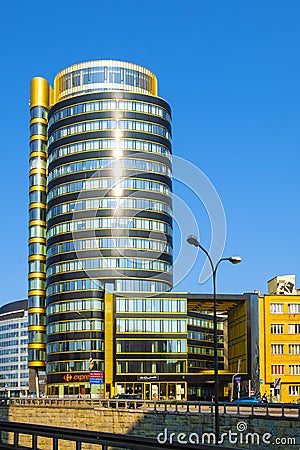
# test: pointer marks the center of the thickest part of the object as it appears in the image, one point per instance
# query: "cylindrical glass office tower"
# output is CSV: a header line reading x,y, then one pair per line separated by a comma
x,y
109,207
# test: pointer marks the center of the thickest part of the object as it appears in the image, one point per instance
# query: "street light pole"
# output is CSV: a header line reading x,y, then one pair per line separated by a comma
x,y
192,240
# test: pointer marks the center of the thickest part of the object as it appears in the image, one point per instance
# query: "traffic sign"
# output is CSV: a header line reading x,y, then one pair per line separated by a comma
x,y
96,375
238,379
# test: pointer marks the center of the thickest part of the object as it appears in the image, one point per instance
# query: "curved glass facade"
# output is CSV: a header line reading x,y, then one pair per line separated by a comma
x,y
101,148
104,75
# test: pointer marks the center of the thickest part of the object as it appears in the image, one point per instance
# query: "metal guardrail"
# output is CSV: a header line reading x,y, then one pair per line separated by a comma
x,y
105,440
289,410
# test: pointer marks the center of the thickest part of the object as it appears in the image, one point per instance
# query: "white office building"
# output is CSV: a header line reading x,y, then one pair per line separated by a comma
x,y
14,379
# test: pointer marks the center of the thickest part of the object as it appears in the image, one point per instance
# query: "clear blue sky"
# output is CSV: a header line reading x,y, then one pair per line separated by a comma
x,y
230,70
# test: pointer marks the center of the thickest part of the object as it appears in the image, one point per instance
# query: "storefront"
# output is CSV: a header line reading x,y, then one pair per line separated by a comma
x,y
154,390
76,384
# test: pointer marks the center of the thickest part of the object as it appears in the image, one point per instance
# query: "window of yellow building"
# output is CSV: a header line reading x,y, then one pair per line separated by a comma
x,y
294,349
294,308
277,349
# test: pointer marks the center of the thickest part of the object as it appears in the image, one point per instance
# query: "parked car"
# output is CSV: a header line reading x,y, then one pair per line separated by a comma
x,y
123,401
249,399
4,400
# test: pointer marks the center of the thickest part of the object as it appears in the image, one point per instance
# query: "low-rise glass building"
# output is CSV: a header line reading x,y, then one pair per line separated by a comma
x,y
162,347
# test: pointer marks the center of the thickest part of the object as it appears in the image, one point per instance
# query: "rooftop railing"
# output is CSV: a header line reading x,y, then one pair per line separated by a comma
x,y
289,410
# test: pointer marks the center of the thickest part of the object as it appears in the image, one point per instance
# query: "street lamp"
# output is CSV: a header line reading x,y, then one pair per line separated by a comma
x,y
192,240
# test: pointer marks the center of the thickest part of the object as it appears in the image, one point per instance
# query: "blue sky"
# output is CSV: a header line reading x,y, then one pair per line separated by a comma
x,y
230,71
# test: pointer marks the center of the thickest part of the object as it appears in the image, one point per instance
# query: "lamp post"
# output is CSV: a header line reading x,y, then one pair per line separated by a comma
x,y
192,240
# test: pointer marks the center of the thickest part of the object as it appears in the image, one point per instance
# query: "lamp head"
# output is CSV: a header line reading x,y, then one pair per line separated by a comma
x,y
235,259
192,240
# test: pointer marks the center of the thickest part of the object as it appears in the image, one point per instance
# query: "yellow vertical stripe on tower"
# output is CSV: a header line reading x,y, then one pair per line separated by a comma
x,y
41,92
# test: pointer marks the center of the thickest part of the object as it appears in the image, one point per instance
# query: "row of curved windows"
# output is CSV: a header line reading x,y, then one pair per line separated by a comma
x,y
72,366
36,336
204,351
151,325
37,248
75,346
110,163
109,183
75,325
105,105
115,242
109,144
172,366
36,319
11,350
37,179
204,323
10,326
109,222
37,231
151,346
37,214
76,305
35,354
203,336
9,343
104,75
9,359
106,263
10,335
36,301
110,203
38,128
149,305
75,285
38,112
111,124
130,285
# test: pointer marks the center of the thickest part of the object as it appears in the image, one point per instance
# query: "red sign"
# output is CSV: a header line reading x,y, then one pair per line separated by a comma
x,y
81,377
277,383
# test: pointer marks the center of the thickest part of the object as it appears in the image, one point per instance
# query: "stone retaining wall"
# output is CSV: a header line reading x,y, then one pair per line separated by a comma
x,y
162,424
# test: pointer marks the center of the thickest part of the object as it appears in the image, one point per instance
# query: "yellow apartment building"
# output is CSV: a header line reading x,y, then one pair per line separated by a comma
x,y
279,320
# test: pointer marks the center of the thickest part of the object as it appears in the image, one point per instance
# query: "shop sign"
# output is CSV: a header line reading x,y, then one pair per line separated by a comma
x,y
96,378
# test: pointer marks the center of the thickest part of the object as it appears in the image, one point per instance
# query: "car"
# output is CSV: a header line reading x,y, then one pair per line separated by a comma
x,y
249,399
123,401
